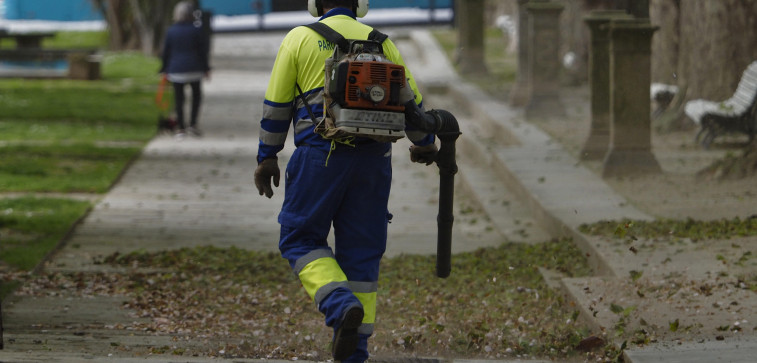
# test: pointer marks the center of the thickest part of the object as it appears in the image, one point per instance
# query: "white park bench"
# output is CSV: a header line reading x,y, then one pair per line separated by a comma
x,y
736,114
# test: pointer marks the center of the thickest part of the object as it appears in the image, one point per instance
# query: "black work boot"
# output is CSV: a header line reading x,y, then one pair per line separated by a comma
x,y
346,338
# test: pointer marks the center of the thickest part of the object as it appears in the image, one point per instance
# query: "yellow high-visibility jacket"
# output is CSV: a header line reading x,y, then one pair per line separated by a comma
x,y
300,61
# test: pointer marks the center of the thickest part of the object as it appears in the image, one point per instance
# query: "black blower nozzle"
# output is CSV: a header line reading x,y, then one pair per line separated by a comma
x,y
445,126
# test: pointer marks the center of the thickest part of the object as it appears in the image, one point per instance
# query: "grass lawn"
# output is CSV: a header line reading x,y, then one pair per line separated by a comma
x,y
67,40
30,228
67,136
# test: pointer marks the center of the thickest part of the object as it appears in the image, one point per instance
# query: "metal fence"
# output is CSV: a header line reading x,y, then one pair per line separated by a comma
x,y
60,10
246,7
78,10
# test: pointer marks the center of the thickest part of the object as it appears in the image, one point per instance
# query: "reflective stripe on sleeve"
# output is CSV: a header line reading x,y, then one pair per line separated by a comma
x,y
304,125
313,98
273,138
277,113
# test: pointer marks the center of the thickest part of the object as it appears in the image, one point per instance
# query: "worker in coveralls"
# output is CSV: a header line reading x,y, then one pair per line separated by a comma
x,y
328,183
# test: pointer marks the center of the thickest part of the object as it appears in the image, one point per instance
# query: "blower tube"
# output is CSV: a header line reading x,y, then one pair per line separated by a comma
x,y
444,125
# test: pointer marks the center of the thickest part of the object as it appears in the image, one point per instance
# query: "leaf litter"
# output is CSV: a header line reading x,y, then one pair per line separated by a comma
x,y
247,304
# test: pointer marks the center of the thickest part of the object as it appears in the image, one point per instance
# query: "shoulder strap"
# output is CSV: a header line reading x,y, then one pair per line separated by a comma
x,y
334,37
331,35
307,104
378,36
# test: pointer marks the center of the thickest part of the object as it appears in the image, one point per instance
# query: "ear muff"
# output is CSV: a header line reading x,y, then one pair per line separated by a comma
x,y
362,8
315,8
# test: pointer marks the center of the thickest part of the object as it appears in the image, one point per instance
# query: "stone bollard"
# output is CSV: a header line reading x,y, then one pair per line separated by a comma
x,y
630,150
83,66
596,145
544,59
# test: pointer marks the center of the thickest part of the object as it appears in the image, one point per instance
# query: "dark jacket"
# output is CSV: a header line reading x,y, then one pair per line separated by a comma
x,y
186,49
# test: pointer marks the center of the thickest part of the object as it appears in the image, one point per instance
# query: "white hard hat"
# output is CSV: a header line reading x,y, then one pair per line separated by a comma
x,y
316,9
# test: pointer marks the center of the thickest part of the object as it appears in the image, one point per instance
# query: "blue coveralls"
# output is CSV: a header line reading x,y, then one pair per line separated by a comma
x,y
328,183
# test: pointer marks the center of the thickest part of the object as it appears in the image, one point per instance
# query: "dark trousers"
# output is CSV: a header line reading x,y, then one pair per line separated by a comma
x,y
179,98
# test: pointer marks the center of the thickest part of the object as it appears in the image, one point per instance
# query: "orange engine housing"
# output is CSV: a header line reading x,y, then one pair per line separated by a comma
x,y
370,85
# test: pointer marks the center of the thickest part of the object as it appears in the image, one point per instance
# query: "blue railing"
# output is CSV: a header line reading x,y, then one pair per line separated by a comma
x,y
77,10
247,7
61,10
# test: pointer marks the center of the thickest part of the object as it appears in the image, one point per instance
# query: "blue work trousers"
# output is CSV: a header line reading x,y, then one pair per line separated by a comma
x,y
349,189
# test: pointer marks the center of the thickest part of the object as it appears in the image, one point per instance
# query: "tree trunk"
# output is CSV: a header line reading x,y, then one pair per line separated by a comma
x,y
575,38
703,47
117,34
470,27
639,8
574,49
137,24
145,32
718,41
666,42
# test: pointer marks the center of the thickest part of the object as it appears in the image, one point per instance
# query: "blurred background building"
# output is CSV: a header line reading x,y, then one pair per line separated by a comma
x,y
80,10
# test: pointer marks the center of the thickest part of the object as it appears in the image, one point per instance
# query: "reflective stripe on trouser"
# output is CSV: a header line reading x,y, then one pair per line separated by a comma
x,y
321,275
352,194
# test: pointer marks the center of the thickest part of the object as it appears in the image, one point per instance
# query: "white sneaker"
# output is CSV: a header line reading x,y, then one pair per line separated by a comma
x,y
193,131
179,135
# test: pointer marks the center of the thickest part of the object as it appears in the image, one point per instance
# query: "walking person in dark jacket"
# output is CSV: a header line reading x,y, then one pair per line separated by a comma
x,y
185,61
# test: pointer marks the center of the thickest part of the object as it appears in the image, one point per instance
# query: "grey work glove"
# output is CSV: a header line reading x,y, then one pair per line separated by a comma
x,y
267,169
423,154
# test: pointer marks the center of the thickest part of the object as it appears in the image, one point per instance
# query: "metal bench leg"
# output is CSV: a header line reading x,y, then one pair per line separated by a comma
x,y
709,138
699,134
